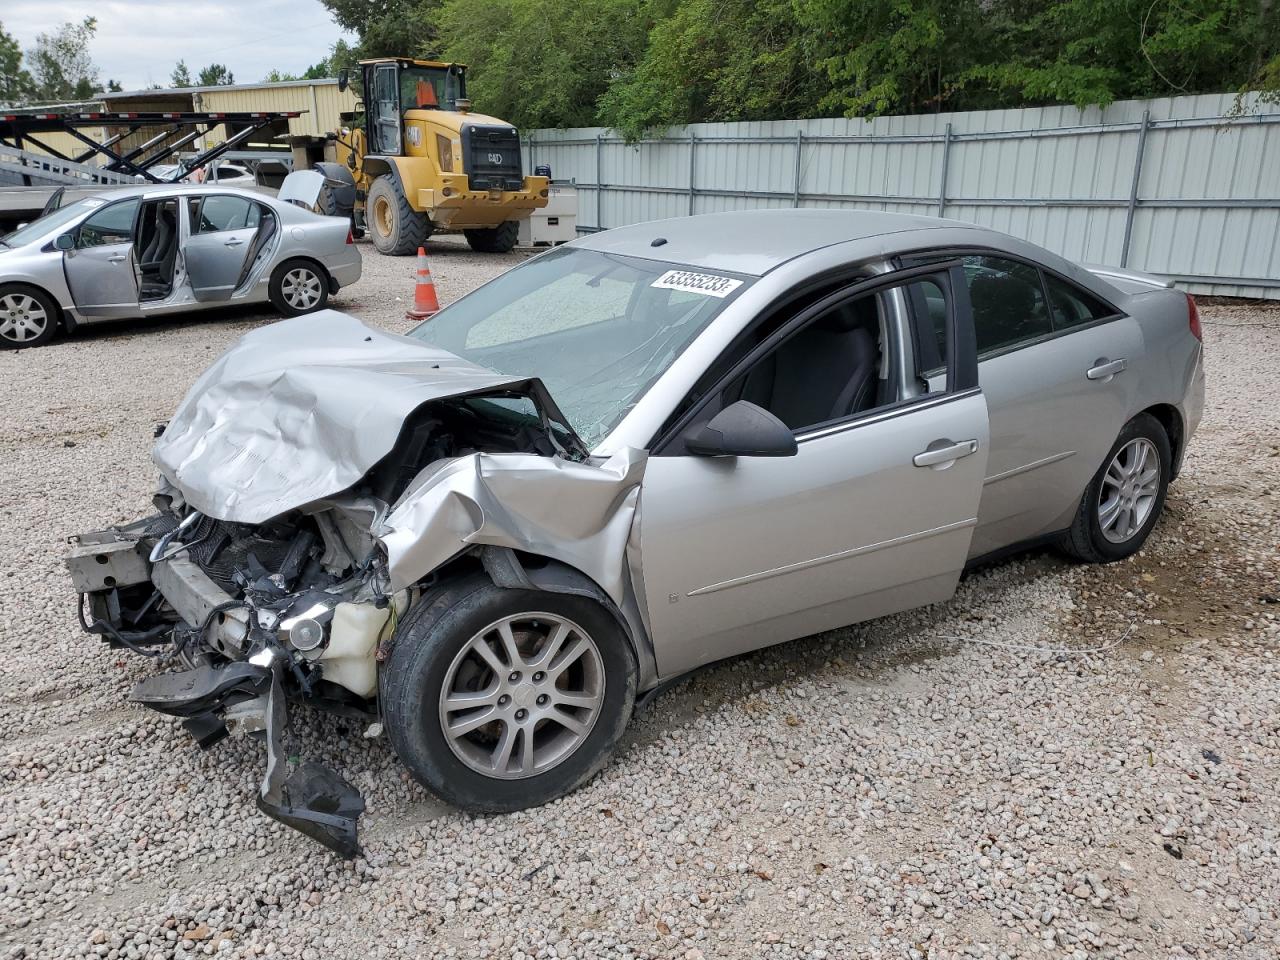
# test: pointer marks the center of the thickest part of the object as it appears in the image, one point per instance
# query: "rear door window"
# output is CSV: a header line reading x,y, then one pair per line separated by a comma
x,y
220,213
1007,301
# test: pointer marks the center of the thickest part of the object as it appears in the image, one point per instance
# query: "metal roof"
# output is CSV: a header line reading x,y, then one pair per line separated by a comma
x,y
754,241
220,88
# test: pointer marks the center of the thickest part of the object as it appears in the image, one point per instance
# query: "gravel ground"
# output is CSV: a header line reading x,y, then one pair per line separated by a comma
x,y
891,790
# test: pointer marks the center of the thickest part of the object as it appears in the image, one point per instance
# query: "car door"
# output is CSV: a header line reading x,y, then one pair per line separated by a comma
x,y
1053,362
873,513
100,266
222,229
386,110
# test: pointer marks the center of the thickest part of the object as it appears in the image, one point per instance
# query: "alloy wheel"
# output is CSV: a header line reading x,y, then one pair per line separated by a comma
x,y
1129,490
22,318
301,288
522,695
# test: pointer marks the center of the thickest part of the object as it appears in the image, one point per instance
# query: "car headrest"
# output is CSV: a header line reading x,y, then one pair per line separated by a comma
x,y
860,314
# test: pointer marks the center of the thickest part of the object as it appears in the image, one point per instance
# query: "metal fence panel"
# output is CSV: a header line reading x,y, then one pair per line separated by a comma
x,y
1168,186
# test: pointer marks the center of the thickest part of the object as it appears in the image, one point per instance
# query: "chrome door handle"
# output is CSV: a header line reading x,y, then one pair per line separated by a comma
x,y
936,456
1104,369
233,242
118,258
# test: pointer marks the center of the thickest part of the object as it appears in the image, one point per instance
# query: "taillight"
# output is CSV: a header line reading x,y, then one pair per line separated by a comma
x,y
351,238
1193,318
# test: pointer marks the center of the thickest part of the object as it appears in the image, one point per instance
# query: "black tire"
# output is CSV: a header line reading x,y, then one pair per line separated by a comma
x,y
1085,540
499,239
395,228
425,646
290,271
18,321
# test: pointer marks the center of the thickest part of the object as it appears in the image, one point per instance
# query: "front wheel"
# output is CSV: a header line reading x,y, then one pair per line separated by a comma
x,y
395,228
28,317
497,699
499,239
298,287
1122,503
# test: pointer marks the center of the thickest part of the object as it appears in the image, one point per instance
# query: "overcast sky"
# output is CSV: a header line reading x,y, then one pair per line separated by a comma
x,y
139,41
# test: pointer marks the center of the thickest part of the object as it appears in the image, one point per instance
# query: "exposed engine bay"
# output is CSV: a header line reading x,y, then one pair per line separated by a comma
x,y
293,608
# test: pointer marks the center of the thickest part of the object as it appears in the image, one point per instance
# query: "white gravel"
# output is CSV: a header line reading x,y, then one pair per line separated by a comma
x,y
882,791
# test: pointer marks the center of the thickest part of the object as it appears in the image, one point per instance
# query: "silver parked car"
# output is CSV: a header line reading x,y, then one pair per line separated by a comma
x,y
631,456
167,248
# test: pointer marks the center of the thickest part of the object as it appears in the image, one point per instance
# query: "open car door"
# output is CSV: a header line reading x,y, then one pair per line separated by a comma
x,y
223,230
101,266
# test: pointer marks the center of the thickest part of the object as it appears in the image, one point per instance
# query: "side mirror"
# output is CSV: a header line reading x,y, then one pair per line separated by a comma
x,y
344,80
742,430
64,242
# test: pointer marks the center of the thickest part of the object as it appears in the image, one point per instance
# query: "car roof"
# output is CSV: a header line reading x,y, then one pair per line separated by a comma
x,y
171,189
754,242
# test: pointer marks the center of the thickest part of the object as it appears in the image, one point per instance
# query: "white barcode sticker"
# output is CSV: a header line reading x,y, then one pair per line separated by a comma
x,y
707,284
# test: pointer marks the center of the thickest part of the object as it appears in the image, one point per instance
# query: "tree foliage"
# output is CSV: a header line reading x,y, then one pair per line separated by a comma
x,y
541,62
181,76
16,83
388,28
61,65
637,65
215,75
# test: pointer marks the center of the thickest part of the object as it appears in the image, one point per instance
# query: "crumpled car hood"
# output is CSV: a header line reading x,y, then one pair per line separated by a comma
x,y
303,408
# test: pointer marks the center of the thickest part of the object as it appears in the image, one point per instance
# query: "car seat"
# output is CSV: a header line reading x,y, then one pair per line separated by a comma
x,y
158,258
825,372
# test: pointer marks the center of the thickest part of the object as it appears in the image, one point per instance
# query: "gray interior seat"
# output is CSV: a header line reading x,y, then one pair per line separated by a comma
x,y
825,372
161,252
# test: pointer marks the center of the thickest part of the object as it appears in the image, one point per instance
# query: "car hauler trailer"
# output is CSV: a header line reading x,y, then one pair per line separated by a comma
x,y
142,147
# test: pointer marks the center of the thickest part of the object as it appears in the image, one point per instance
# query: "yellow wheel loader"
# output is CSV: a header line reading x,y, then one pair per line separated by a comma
x,y
424,163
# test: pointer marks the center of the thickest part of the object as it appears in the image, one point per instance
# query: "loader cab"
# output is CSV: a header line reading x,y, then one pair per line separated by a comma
x,y
394,86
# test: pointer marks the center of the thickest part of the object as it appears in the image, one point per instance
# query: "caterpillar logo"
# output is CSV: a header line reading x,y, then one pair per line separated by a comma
x,y
495,158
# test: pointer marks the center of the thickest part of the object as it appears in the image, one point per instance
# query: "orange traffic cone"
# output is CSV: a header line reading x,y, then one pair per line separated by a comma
x,y
425,302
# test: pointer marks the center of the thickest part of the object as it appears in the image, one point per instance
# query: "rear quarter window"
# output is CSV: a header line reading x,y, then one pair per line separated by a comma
x,y
1073,307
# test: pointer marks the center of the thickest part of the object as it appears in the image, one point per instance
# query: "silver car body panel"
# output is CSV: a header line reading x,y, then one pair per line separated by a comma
x,y
301,233
301,409
744,552
578,513
102,279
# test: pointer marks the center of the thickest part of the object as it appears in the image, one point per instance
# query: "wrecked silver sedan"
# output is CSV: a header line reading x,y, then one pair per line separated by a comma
x,y
634,455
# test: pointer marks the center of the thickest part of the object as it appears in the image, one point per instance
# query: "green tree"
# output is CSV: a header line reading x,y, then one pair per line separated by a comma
x,y
717,60
1095,51
215,75
61,65
16,84
541,63
317,71
181,76
388,28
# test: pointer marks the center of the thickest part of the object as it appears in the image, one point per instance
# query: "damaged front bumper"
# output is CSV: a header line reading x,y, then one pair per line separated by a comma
x,y
250,695
242,663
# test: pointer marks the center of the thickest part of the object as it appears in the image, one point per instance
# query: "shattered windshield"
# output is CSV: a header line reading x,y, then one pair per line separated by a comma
x,y
597,328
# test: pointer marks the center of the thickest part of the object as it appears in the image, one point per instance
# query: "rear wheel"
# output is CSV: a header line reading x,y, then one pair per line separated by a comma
x,y
298,287
497,700
499,239
28,317
1123,501
395,227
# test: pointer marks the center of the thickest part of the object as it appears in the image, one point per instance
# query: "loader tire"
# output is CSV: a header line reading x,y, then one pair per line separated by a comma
x,y
499,239
396,229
